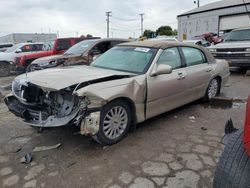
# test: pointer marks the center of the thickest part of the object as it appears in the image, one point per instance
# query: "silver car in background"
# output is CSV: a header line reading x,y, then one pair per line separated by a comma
x,y
128,84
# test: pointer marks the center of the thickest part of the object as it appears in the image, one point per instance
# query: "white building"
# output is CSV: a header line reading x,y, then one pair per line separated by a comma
x,y
218,17
16,38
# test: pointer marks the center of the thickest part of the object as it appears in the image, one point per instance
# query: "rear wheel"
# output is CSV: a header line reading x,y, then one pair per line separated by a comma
x,y
233,169
114,123
4,69
213,89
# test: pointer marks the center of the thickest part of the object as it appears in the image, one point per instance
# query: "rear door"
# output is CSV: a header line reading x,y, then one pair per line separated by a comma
x,y
167,91
199,72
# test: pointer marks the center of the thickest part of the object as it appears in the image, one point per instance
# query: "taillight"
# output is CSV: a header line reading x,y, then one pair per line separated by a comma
x,y
247,128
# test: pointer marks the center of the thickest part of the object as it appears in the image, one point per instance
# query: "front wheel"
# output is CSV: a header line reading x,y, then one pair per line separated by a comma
x,y
213,89
115,122
233,169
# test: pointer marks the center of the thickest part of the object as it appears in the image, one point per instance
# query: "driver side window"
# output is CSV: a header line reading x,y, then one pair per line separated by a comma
x,y
170,57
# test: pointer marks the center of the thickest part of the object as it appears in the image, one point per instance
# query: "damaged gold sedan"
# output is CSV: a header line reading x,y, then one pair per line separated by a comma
x,y
127,85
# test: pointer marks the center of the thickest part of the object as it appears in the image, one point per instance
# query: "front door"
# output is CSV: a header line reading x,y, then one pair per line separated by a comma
x,y
167,91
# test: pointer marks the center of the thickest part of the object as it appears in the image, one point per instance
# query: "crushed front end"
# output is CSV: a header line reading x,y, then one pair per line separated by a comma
x,y
41,107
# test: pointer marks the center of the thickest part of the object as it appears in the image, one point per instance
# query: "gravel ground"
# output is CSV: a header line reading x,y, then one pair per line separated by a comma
x,y
177,149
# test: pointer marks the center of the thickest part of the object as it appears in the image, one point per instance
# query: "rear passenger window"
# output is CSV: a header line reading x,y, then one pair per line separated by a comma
x,y
193,56
37,47
170,57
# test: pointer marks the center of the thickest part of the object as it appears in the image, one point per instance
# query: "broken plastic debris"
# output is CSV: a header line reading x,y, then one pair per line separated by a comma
x,y
45,148
27,158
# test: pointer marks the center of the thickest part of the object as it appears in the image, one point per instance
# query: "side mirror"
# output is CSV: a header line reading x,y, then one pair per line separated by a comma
x,y
162,69
18,50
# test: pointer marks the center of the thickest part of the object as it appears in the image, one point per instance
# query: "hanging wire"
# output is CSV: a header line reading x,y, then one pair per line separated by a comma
x,y
125,19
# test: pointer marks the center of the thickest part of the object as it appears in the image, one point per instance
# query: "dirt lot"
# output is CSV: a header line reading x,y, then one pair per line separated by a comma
x,y
176,149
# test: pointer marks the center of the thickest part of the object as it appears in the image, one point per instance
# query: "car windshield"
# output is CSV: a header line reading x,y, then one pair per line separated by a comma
x,y
48,45
126,59
238,35
80,47
14,48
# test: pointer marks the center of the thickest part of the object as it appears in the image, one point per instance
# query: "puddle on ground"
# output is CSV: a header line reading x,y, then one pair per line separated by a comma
x,y
224,103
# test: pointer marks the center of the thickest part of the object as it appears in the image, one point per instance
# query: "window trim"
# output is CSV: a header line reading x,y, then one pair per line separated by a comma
x,y
204,57
178,50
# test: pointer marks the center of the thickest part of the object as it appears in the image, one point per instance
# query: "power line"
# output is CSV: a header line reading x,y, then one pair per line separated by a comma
x,y
246,8
117,29
108,14
124,19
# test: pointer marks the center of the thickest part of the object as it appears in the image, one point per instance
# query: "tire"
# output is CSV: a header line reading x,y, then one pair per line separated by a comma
x,y
213,89
4,69
108,135
233,169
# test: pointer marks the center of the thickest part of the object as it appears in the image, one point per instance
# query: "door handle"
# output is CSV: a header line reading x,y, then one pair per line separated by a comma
x,y
180,76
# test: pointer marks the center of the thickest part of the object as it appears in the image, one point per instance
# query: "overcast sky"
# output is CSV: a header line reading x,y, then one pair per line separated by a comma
x,y
72,17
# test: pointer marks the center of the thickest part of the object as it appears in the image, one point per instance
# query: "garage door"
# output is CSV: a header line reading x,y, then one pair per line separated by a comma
x,y
234,22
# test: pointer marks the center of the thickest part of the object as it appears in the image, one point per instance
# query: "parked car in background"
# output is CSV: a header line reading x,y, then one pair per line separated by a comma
x,y
7,58
213,38
164,38
128,84
5,46
235,49
233,169
51,47
82,53
203,43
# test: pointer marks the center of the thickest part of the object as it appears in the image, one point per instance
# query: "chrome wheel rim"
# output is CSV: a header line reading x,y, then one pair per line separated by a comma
x,y
213,89
115,122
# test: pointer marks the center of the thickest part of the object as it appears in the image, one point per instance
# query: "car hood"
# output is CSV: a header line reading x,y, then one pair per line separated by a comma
x,y
4,56
231,45
46,59
63,77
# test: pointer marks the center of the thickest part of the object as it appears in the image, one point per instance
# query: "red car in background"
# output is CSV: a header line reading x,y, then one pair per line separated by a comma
x,y
213,38
233,169
52,47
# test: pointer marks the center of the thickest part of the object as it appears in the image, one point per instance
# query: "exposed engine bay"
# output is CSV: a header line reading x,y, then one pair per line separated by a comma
x,y
39,107
46,107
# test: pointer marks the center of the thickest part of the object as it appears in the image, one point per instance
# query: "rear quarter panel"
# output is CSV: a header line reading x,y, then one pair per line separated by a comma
x,y
221,69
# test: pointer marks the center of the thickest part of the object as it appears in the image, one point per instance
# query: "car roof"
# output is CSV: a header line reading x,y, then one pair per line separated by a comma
x,y
167,44
157,44
243,28
25,43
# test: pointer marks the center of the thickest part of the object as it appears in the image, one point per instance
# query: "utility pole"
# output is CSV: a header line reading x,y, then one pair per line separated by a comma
x,y
142,23
197,2
108,14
